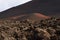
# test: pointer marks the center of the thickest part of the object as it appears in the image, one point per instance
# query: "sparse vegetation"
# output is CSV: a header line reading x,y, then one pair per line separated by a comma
x,y
48,29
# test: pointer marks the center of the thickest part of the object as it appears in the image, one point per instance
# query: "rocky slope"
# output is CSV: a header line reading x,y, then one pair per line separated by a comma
x,y
48,29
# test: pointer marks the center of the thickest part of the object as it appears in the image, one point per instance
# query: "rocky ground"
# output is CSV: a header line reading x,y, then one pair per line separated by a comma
x,y
48,29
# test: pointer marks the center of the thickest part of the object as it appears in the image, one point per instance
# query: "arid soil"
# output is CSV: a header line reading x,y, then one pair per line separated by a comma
x,y
48,29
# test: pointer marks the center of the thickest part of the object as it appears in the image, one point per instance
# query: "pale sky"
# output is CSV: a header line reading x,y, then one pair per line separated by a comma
x,y
6,4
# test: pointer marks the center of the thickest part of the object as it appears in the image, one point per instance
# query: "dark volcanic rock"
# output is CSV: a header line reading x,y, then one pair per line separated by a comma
x,y
46,7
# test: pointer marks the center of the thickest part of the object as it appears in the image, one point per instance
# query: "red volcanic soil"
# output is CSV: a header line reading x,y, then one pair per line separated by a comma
x,y
16,17
41,16
35,15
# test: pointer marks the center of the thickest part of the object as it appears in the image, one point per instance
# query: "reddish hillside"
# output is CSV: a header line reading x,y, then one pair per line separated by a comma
x,y
41,16
33,16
